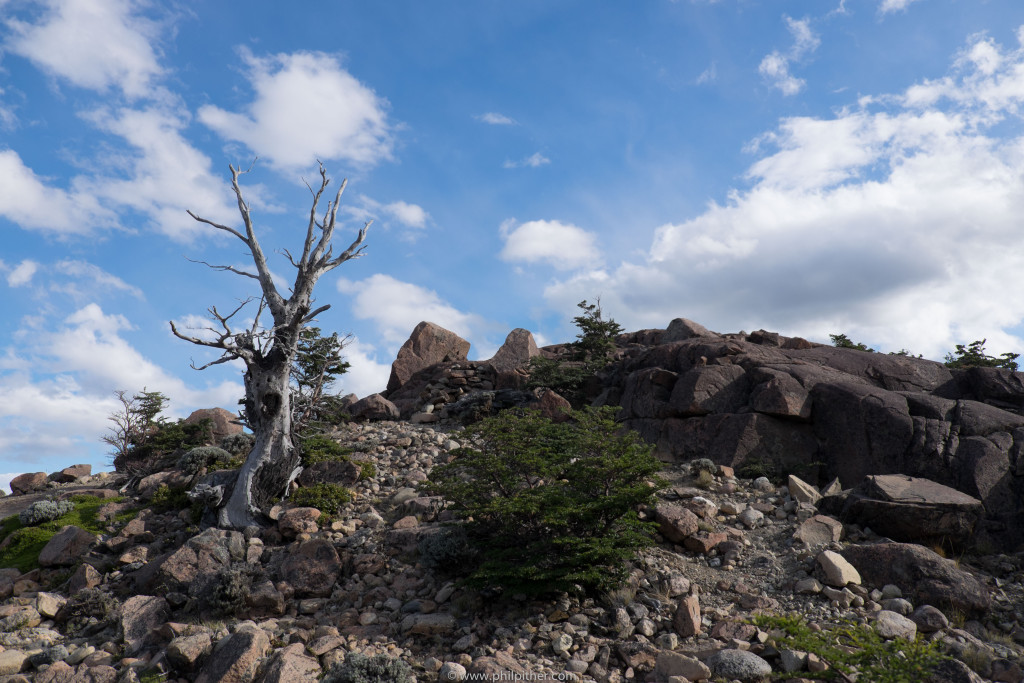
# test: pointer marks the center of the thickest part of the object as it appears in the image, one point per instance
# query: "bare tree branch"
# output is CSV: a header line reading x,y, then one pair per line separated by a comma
x,y
219,226
315,313
230,269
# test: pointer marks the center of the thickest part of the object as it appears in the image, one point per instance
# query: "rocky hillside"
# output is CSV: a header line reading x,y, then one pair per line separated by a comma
x,y
128,585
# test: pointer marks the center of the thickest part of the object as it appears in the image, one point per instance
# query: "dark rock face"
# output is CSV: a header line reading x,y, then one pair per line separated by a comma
x,y
785,405
428,345
921,574
909,509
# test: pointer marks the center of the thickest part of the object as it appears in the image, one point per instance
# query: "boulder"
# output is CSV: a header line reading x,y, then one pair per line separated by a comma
x,y
236,657
516,352
553,406
681,328
222,423
924,576
908,509
429,344
140,616
312,568
29,483
819,530
344,472
838,571
675,522
374,407
192,568
185,652
291,664
295,521
66,548
71,474
739,665
686,621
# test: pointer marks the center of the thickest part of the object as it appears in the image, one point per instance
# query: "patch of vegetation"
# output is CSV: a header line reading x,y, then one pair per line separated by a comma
x,y
358,668
853,648
322,448
167,498
973,356
367,470
140,437
318,365
327,498
206,456
87,612
231,589
22,544
448,550
752,468
44,511
593,348
841,341
552,507
239,444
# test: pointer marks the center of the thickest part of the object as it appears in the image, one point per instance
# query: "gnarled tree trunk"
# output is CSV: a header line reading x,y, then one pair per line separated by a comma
x,y
268,353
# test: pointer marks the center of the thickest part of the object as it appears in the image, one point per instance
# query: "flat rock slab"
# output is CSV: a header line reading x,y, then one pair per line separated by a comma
x,y
908,509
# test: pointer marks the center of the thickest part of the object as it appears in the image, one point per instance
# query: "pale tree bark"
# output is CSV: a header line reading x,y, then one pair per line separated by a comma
x,y
269,351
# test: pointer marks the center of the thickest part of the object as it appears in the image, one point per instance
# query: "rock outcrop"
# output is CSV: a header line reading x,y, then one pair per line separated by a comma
x,y
428,345
222,423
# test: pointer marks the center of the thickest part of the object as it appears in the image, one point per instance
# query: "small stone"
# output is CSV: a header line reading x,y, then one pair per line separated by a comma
x,y
898,605
801,491
561,643
687,620
807,586
929,619
675,664
751,518
890,591
764,485
793,660
738,665
451,671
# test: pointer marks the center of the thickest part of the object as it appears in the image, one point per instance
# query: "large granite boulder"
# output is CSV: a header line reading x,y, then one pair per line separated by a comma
x,y
922,575
909,509
29,483
222,423
374,407
516,352
429,344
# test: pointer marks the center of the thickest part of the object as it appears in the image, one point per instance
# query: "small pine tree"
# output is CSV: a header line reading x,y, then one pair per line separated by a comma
x,y
841,341
552,506
973,356
318,364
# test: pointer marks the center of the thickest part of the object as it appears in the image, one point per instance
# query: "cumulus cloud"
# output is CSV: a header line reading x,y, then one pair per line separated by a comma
x,y
22,273
889,6
396,307
57,381
95,279
306,107
32,203
889,221
412,218
367,375
775,65
496,119
709,75
94,44
560,245
535,160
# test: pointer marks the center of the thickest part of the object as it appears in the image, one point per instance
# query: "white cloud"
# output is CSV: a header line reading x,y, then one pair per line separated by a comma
x,y
535,160
889,6
95,44
709,75
29,201
396,307
166,176
560,245
410,215
496,119
403,213
367,375
95,277
306,107
892,222
775,65
22,273
57,383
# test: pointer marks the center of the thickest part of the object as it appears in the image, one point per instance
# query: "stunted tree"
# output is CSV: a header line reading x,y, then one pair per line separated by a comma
x,y
269,351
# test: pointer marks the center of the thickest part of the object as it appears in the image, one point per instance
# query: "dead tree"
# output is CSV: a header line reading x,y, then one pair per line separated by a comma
x,y
269,351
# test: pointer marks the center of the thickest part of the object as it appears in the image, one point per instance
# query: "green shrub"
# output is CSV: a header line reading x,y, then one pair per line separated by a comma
x,y
321,448
327,498
44,511
239,444
702,465
167,498
594,345
367,470
850,647
973,356
88,611
552,506
841,341
447,550
230,589
204,456
26,542
358,668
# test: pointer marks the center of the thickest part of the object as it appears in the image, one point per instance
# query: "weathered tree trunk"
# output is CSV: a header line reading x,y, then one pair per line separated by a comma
x,y
272,464
268,353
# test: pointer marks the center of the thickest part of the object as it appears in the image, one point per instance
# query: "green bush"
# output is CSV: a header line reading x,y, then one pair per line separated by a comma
x,y
321,448
358,668
850,647
973,356
552,507
168,498
204,456
44,511
367,470
594,345
87,612
229,590
327,498
239,444
841,341
24,543
448,550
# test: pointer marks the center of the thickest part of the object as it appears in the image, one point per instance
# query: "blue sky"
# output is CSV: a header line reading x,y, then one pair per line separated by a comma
x,y
806,166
